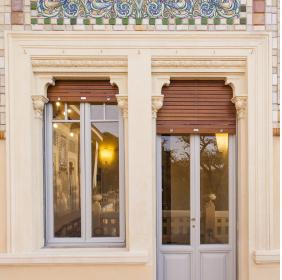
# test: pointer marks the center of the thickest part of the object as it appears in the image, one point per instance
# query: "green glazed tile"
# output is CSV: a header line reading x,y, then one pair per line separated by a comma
x,y
112,21
60,21
33,21
178,21
216,21
191,21
33,6
138,21
99,21
125,21
204,21
229,21
73,21
86,21
152,21
243,20
243,8
47,20
165,21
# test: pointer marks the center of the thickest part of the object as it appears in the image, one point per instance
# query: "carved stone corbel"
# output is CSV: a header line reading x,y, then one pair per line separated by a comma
x,y
38,105
122,101
240,105
157,103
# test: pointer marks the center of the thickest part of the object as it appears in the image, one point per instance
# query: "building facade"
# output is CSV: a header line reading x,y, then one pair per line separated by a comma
x,y
139,139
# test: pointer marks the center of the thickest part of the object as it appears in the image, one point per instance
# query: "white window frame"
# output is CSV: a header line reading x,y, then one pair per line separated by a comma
x,y
86,240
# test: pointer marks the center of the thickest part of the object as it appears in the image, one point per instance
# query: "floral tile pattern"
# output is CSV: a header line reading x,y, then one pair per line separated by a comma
x,y
138,9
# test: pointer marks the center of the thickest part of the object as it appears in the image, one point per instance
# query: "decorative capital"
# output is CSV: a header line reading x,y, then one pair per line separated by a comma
x,y
157,103
38,105
240,105
122,101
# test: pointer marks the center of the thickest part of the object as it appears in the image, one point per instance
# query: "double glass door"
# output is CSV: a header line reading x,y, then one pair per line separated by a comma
x,y
196,207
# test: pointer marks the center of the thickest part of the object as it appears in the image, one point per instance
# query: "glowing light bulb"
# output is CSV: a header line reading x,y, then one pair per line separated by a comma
x,y
55,125
71,134
58,104
69,110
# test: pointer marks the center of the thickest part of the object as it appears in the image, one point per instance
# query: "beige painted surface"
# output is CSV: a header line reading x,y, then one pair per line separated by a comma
x,y
2,197
76,272
276,192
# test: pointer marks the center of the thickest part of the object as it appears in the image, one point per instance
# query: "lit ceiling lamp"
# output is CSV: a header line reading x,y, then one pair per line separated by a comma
x,y
106,155
222,142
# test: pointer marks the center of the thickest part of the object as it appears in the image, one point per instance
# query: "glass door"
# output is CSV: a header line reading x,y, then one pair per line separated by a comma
x,y
196,207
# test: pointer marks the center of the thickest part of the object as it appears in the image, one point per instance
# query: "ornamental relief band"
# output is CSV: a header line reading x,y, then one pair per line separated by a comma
x,y
139,8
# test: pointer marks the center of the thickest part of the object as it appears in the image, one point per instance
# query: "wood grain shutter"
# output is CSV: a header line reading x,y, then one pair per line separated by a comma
x,y
198,106
83,91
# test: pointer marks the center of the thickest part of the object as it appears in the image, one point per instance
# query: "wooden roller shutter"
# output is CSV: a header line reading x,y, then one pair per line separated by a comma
x,y
198,106
83,91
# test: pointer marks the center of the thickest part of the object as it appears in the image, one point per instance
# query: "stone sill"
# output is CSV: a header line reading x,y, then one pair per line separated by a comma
x,y
73,256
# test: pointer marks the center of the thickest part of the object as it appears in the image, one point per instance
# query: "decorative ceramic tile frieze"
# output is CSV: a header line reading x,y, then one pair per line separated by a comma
x,y
139,10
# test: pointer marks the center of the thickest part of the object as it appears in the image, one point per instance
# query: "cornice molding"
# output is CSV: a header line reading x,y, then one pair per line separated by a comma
x,y
72,62
180,62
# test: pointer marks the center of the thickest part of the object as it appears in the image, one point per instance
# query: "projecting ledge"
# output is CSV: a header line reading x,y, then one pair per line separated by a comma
x,y
82,256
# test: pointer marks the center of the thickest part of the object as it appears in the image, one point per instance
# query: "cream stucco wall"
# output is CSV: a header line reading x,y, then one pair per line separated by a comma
x,y
2,197
25,230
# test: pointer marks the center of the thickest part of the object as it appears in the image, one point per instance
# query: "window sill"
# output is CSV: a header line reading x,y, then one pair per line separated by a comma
x,y
75,256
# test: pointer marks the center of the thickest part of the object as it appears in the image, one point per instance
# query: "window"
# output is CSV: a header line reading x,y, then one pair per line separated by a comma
x,y
84,174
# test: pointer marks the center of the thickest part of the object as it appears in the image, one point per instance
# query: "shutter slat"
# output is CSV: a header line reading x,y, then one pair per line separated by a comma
x,y
197,105
96,91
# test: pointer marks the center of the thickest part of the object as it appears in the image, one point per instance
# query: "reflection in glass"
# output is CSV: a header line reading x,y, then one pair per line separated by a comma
x,y
58,110
214,188
97,112
73,111
105,179
66,184
175,190
111,112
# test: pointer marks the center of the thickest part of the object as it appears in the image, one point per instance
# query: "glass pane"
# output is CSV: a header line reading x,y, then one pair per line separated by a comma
x,y
105,179
111,112
97,112
66,184
214,188
73,111
58,110
175,190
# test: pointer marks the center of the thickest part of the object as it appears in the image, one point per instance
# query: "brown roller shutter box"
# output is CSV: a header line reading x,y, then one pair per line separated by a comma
x,y
83,91
198,106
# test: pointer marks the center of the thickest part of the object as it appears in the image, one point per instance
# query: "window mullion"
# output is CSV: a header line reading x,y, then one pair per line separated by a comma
x,y
82,171
87,170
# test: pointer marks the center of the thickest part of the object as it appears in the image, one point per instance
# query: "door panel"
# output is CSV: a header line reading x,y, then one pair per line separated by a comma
x,y
196,207
214,266
177,266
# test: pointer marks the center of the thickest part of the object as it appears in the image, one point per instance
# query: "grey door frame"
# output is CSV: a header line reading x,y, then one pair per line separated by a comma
x,y
195,249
